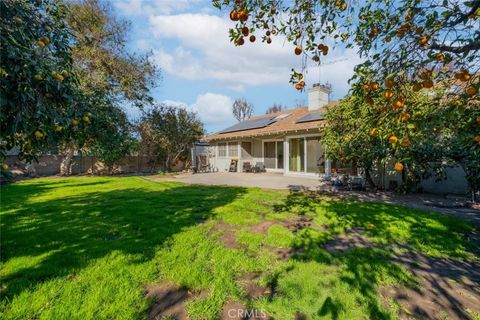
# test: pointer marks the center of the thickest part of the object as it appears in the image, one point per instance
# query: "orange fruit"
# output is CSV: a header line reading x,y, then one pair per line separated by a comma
x,y
4,166
273,10
427,83
41,44
398,167
240,42
268,33
245,31
417,87
86,119
440,56
343,6
405,142
298,35
477,138
405,116
465,76
316,58
389,83
234,16
478,120
393,139
252,38
367,87
298,50
243,15
269,40
38,134
459,75
373,132
375,86
423,40
369,100
388,39
388,94
471,91
74,122
398,104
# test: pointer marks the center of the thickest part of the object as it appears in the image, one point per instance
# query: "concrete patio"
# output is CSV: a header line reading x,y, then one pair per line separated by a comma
x,y
261,180
451,205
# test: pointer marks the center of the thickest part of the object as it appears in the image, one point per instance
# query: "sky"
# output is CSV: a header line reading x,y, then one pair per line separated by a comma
x,y
203,71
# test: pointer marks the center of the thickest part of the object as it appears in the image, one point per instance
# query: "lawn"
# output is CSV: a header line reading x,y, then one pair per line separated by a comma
x,y
106,247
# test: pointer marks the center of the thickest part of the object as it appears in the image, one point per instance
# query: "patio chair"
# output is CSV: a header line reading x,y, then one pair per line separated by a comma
x,y
233,166
247,167
259,167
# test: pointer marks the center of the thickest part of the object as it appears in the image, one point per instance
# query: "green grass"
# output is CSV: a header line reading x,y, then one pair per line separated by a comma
x,y
86,248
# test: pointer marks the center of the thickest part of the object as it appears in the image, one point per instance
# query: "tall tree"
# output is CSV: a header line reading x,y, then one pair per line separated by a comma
x,y
39,94
242,109
106,71
101,58
167,133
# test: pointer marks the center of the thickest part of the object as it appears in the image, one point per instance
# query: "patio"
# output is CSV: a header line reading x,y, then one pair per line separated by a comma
x,y
451,205
261,180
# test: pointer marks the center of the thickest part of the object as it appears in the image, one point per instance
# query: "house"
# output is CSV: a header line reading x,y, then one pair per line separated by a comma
x,y
286,142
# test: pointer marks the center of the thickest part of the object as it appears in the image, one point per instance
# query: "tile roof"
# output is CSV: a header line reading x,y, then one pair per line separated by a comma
x,y
282,125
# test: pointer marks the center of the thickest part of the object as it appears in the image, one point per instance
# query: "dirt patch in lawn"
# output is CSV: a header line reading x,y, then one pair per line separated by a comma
x,y
263,226
252,289
351,239
227,234
234,310
170,301
447,288
298,223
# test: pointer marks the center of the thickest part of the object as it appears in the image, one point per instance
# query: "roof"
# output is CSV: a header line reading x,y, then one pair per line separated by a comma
x,y
290,120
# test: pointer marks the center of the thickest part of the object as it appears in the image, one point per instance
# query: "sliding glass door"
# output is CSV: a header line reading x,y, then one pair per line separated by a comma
x,y
306,155
297,155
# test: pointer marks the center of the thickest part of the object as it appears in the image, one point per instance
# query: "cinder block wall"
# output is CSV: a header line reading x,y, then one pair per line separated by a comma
x,y
50,165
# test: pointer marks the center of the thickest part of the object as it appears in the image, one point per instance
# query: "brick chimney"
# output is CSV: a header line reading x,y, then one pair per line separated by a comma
x,y
319,96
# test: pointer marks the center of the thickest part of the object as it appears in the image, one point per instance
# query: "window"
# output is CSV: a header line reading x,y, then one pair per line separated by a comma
x,y
222,149
233,149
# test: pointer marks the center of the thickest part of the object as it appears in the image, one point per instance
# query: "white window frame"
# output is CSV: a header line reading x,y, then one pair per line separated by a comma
x,y
229,146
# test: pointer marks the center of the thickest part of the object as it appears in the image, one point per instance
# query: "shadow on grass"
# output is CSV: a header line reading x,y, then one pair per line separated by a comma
x,y
366,269
64,234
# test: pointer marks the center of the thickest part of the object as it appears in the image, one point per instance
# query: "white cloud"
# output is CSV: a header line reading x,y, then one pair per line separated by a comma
x,y
152,7
203,50
214,110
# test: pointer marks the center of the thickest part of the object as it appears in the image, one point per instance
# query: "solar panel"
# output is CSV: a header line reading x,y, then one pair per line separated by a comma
x,y
250,124
311,117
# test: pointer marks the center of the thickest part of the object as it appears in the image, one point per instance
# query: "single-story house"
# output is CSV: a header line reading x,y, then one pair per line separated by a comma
x,y
286,141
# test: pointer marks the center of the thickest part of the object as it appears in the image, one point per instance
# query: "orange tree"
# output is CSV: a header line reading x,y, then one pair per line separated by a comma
x,y
39,95
359,132
406,43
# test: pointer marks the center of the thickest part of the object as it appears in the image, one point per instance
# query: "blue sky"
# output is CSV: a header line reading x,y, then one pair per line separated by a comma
x,y
204,72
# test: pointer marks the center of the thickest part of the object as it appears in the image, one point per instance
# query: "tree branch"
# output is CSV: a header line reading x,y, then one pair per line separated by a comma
x,y
475,45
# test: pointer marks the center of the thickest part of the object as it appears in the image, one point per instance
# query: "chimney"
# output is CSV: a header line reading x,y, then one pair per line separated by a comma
x,y
319,96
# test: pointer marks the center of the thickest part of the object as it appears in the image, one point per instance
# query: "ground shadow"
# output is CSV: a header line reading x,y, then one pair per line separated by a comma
x,y
399,232
74,230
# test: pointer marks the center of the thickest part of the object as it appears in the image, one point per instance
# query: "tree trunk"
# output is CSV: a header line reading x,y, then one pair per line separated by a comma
x,y
66,165
369,179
